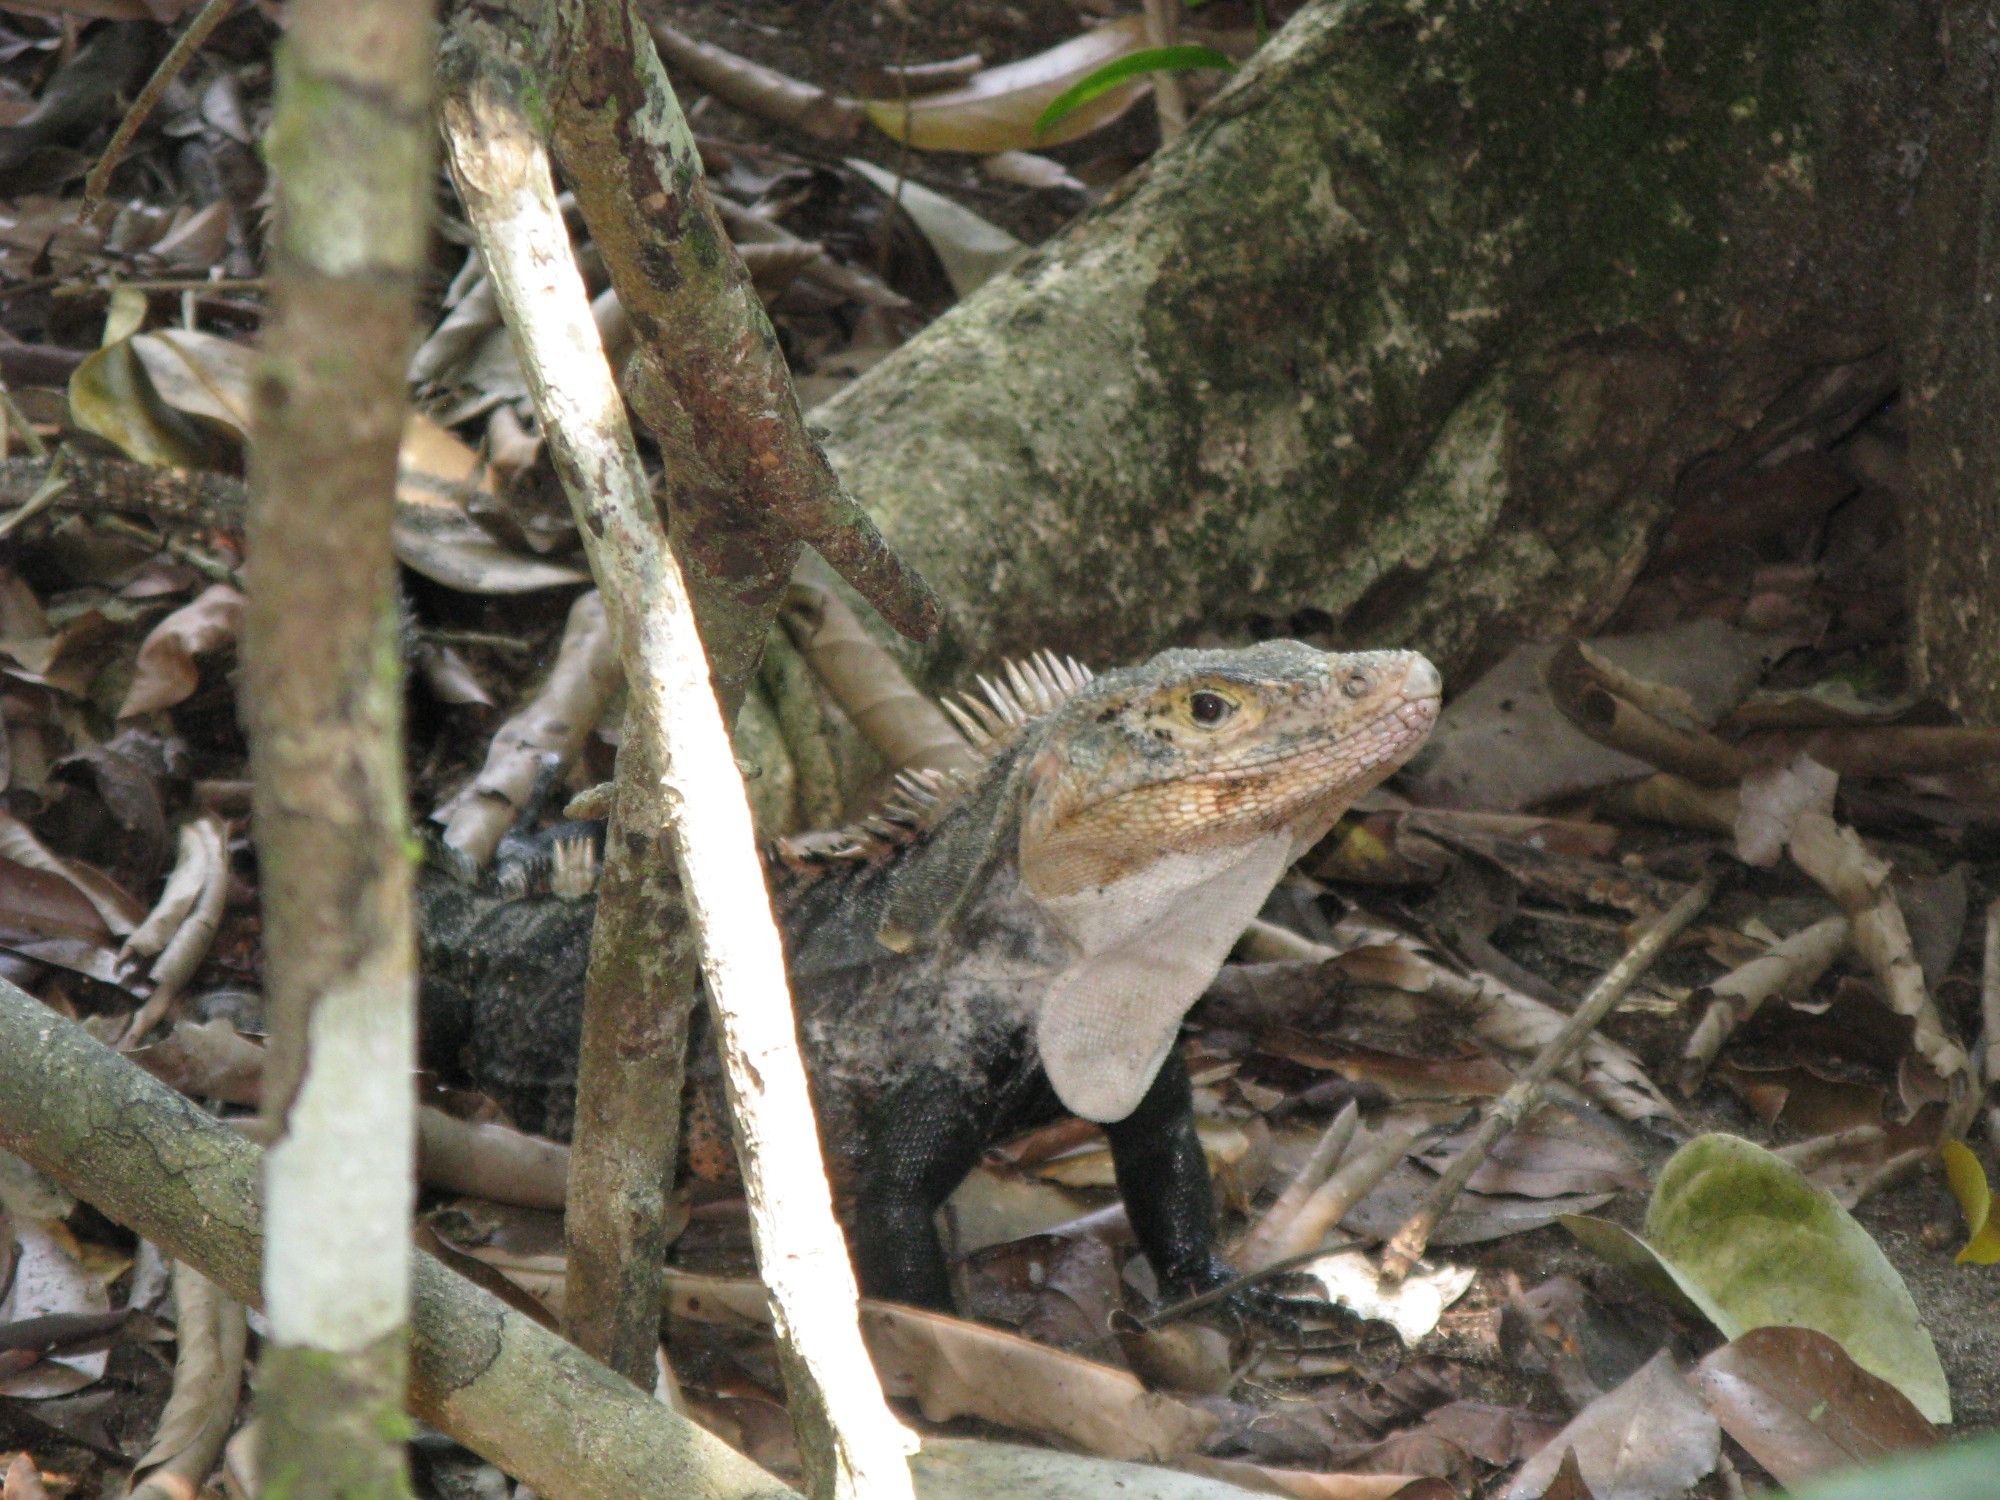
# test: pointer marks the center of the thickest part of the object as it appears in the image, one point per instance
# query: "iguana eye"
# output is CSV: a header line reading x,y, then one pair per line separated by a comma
x,y
1357,684
1209,708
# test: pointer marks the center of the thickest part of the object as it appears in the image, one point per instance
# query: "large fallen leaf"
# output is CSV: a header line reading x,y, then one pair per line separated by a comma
x,y
49,1277
166,673
954,1368
112,394
1753,1244
972,250
1802,1407
998,109
434,536
961,1468
1649,1438
1968,1184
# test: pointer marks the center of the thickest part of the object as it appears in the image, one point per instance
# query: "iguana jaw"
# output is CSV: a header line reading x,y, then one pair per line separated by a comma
x,y
1153,874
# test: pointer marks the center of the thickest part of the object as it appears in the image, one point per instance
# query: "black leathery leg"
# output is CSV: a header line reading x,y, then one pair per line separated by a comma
x,y
928,1136
1163,1178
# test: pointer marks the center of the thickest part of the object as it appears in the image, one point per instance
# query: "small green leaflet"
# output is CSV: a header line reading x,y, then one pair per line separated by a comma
x,y
1131,65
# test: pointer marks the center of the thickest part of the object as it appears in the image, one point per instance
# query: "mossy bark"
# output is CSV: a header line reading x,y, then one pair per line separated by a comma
x,y
1412,337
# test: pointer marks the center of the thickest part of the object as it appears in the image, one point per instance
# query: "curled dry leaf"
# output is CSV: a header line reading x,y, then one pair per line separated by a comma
x,y
205,850
1306,1484
901,723
1786,972
1648,1439
491,1161
1771,801
1836,860
165,673
22,1481
954,1368
207,1060
998,108
1589,697
555,722
211,1333
1802,1407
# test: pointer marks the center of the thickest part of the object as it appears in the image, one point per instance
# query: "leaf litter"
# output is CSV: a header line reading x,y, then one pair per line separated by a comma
x,y
1583,785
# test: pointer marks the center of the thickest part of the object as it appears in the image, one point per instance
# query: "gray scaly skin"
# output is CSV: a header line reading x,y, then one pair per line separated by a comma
x,y
1031,944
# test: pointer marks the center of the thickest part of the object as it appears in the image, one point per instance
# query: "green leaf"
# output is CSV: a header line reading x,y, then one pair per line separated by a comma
x,y
1132,65
1753,1244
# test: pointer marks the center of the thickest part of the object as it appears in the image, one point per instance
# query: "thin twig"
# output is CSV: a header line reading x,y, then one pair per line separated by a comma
x,y
185,46
1506,1112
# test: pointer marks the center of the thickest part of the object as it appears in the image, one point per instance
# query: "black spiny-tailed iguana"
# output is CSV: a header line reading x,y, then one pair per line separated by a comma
x,y
1033,937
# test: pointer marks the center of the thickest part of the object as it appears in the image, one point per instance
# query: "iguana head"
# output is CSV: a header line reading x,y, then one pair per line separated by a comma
x,y
1210,750
1161,803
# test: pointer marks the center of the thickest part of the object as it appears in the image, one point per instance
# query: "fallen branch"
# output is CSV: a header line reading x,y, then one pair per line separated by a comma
x,y
681,789
1505,1113
494,1380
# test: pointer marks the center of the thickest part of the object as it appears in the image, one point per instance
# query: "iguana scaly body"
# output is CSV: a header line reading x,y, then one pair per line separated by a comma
x,y
1029,937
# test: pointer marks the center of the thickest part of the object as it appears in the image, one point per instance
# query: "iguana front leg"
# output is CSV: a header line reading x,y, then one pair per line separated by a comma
x,y
1163,1178
929,1134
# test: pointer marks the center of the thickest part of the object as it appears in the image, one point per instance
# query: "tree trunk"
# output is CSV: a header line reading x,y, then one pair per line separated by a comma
x,y
1949,326
350,141
1416,335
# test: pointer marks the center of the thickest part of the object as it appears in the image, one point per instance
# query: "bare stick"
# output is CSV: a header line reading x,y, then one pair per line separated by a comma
x,y
687,792
1506,1112
480,1372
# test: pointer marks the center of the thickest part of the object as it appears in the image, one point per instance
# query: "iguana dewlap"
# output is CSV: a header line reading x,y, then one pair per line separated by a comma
x,y
1044,925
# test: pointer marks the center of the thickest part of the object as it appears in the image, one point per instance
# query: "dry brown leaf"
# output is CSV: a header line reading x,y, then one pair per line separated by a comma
x,y
1304,1484
1794,1398
954,1368
211,1333
165,672
1648,1439
997,109
22,1481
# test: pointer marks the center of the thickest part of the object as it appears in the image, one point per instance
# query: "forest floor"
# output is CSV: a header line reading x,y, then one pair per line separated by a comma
x,y
1520,856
